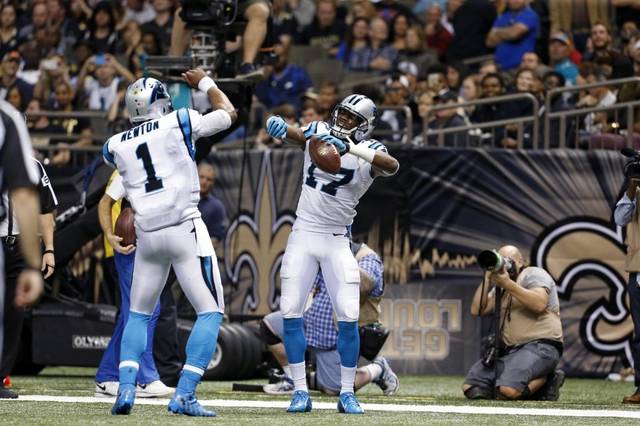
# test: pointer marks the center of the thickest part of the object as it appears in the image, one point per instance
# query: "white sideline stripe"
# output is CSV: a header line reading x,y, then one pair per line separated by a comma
x,y
451,409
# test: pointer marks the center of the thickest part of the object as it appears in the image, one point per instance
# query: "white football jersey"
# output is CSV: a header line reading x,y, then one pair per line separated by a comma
x,y
328,201
156,162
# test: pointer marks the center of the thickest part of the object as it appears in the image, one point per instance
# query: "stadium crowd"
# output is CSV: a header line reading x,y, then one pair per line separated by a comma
x,y
80,55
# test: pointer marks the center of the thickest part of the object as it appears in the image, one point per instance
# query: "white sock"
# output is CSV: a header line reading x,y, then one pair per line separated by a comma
x,y
347,378
299,376
287,370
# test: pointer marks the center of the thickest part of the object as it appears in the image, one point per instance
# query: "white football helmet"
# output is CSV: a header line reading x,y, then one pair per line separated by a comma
x,y
354,117
146,99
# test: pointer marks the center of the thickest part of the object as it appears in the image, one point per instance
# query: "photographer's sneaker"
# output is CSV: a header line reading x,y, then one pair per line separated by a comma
x,y
7,394
283,387
388,381
552,391
154,389
106,389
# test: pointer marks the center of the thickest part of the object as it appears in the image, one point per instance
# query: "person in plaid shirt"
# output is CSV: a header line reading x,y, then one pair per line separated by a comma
x,y
321,333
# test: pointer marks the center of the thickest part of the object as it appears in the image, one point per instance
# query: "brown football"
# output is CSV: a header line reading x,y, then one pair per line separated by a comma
x,y
324,155
125,227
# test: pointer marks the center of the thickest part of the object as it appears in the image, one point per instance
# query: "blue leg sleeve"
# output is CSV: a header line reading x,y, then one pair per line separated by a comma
x,y
294,340
134,342
148,372
348,343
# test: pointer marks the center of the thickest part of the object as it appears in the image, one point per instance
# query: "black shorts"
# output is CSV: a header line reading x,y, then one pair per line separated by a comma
x,y
517,368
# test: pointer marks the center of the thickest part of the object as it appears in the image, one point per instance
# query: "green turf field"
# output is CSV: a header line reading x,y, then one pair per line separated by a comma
x,y
576,394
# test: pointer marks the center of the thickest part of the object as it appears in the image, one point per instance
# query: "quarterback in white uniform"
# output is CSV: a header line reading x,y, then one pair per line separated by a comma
x,y
156,161
321,233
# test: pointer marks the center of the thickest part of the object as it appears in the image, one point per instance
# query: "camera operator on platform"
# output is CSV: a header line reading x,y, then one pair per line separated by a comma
x,y
626,214
525,360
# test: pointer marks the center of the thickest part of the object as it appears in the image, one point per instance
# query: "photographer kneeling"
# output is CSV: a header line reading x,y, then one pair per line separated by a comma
x,y
530,328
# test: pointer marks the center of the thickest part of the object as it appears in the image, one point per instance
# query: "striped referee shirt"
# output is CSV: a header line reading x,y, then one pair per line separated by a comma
x,y
319,327
17,170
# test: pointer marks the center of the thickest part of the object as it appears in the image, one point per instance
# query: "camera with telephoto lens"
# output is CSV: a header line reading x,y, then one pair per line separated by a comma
x,y
632,168
492,261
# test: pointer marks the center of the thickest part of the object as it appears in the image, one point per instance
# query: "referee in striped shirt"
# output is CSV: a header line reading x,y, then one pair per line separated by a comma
x,y
18,176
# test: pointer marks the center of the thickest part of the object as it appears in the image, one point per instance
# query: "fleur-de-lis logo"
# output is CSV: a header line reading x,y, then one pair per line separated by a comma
x,y
585,256
256,240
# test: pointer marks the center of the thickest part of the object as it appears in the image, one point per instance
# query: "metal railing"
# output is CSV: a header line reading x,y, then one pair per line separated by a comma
x,y
407,133
562,115
518,121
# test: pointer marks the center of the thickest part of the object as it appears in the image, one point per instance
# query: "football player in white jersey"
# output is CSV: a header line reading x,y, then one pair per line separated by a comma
x,y
321,233
156,161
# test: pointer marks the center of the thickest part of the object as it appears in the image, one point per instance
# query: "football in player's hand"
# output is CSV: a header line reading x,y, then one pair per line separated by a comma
x,y
324,155
125,227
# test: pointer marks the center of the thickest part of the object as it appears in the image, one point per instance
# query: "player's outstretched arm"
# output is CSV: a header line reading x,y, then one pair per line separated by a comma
x,y
384,164
279,129
197,78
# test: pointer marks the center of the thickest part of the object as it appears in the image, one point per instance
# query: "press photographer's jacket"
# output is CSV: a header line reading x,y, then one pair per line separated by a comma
x,y
626,214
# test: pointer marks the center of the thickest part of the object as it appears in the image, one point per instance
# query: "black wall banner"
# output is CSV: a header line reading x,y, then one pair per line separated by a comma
x,y
429,222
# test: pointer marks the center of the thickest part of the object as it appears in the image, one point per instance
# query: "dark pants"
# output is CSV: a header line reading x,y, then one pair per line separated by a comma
x,y
165,341
634,301
13,316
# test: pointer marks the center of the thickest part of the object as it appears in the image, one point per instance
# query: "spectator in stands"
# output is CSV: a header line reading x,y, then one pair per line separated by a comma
x,y
131,47
354,51
53,70
326,31
445,119
31,55
9,78
310,113
492,85
361,9
14,97
417,51
530,61
514,33
602,45
558,102
410,71
41,125
438,37
327,98
631,92
213,212
577,17
560,47
286,84
80,13
472,20
102,90
396,95
139,11
388,9
284,23
526,81
63,101
39,17
488,67
596,97
8,29
101,34
470,91
162,24
455,74
383,56
68,28
424,117
398,31
437,79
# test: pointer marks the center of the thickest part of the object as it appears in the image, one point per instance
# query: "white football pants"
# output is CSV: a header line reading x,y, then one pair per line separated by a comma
x,y
305,253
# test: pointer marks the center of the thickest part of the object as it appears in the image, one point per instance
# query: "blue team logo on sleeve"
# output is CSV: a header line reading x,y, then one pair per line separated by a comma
x,y
108,157
185,127
311,130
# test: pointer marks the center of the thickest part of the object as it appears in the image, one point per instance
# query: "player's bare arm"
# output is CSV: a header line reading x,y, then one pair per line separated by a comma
x,y
106,220
198,79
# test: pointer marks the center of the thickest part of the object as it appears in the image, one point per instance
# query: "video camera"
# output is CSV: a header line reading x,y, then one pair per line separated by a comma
x,y
492,261
209,14
632,168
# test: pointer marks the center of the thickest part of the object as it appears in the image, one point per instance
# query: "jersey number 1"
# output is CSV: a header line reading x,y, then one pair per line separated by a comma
x,y
153,183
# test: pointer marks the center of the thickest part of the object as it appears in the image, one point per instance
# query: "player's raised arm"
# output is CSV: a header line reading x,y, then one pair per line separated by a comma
x,y
279,129
197,78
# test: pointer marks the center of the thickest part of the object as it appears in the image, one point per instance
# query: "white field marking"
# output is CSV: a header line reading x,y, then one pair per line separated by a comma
x,y
398,408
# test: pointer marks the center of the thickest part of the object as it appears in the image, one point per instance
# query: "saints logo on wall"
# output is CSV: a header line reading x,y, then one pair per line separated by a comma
x,y
254,246
585,256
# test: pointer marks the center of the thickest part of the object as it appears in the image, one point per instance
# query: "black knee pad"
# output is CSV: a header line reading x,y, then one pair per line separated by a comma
x,y
476,392
268,336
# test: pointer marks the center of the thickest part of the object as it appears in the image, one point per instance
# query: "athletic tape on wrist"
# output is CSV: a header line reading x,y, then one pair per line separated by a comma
x,y
206,83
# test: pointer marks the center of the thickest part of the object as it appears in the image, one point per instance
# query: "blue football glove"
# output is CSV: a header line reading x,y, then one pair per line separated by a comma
x,y
340,145
276,127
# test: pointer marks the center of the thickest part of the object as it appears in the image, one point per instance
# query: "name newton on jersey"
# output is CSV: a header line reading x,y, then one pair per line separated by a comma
x,y
140,130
